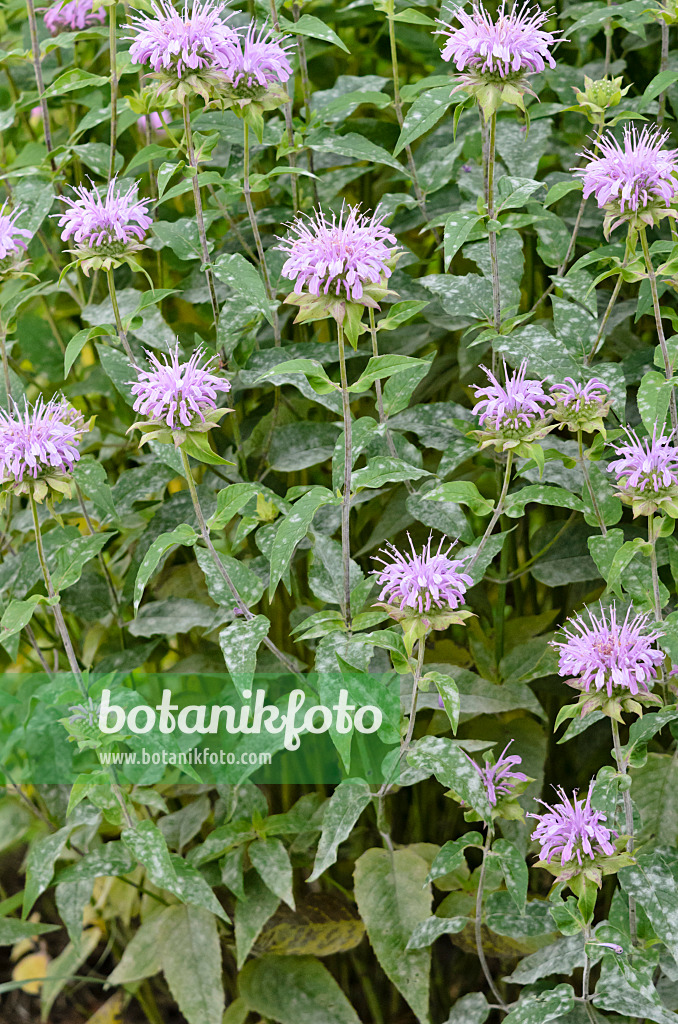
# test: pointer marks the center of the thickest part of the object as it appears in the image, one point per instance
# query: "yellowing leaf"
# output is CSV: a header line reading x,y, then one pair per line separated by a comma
x,y
32,969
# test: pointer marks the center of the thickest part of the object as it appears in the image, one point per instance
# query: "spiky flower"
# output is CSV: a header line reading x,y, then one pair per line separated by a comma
x,y
496,54
647,473
104,227
72,16
613,663
581,406
500,779
258,61
176,396
185,49
511,413
39,446
635,181
11,238
572,830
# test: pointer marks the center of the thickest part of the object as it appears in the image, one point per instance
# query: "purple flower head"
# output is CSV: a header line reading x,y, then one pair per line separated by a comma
x,y
604,654
647,466
154,123
108,224
11,237
572,829
499,779
420,582
72,16
181,42
43,440
177,392
514,43
633,177
514,407
344,254
580,406
257,61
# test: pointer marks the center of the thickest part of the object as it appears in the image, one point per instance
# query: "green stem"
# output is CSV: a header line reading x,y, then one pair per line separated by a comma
x,y
479,922
122,334
306,90
492,235
5,367
628,815
380,397
197,198
112,45
421,650
662,67
652,538
291,156
255,231
346,495
668,369
497,512
586,977
37,67
587,480
219,565
611,303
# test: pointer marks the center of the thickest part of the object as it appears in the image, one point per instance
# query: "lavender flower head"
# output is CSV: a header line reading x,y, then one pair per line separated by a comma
x,y
500,779
607,656
572,830
636,180
177,393
512,410
11,238
72,16
42,441
178,43
513,43
581,406
105,225
647,473
343,256
153,123
420,583
257,61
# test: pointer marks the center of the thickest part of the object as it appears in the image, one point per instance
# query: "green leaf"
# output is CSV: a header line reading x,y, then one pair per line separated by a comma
x,y
449,694
293,528
308,25
92,479
539,1009
652,882
515,870
426,933
470,1009
13,930
64,966
72,80
42,856
239,644
239,274
270,858
400,313
450,857
462,492
655,794
653,400
147,845
515,192
183,534
380,367
313,371
393,899
561,957
458,226
353,146
561,189
543,494
424,113
349,800
659,84
191,963
454,770
72,558
294,990
247,583
383,470
251,914
18,614
142,956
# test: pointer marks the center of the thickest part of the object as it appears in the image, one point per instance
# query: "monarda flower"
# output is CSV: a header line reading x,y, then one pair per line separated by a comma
x,y
338,266
647,473
496,55
635,181
572,833
72,16
106,228
512,414
613,663
12,239
581,406
258,67
422,591
501,781
178,399
39,447
186,50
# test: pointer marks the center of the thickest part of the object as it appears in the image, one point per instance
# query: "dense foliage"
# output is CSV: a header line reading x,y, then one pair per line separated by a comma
x,y
418,443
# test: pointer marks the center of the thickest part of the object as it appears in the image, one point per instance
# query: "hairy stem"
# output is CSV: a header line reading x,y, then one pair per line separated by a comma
x,y
306,90
122,334
663,64
219,565
628,815
668,369
652,535
288,121
497,512
611,303
416,676
380,398
586,977
492,235
255,230
587,480
479,922
190,152
346,495
114,86
37,67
